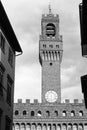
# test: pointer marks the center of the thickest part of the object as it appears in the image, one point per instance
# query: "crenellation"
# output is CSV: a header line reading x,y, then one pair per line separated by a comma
x,y
76,101
27,101
19,101
36,101
67,101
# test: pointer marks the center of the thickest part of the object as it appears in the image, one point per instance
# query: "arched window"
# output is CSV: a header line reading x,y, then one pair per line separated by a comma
x,y
64,113
16,112
80,113
56,113
72,113
24,112
47,113
39,113
32,113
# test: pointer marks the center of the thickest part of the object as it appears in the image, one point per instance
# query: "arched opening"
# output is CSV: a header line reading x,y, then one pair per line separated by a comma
x,y
72,113
17,126
54,127
58,127
56,113
47,113
28,126
44,127
75,127
39,113
64,127
64,113
69,127
80,127
33,126
85,126
50,30
22,126
49,127
39,127
80,113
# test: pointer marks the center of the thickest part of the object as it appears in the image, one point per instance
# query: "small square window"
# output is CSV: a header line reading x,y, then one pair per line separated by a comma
x,y
2,43
57,46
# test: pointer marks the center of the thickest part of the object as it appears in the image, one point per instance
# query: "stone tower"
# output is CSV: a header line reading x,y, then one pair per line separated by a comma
x,y
50,55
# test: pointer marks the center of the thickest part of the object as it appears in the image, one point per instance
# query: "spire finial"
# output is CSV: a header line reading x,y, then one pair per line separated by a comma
x,y
50,12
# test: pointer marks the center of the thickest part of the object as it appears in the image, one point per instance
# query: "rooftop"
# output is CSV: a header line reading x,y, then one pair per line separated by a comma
x,y
8,30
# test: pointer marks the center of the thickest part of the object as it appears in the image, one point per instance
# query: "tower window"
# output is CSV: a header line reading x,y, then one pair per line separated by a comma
x,y
44,45
2,43
57,46
80,113
50,30
51,46
9,89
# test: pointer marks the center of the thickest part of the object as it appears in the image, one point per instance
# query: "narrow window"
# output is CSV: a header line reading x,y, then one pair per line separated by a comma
x,y
7,123
2,70
47,113
2,43
10,57
9,88
64,113
39,113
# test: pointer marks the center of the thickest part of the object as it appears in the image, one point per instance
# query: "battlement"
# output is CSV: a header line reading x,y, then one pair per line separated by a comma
x,y
35,101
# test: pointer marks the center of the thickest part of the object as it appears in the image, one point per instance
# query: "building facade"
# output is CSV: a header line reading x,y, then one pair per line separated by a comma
x,y
8,48
50,114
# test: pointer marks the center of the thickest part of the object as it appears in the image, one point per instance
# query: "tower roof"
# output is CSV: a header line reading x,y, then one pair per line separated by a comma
x,y
8,30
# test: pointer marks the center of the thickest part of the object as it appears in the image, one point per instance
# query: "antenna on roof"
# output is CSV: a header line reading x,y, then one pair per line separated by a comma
x,y
50,12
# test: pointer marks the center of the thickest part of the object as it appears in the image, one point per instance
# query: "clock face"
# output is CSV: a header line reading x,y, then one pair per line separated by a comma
x,y
51,96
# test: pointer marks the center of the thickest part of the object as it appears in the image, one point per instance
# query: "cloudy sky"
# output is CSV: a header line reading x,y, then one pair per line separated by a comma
x,y
25,17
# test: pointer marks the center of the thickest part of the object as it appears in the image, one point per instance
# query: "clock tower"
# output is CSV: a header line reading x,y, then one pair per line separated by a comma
x,y
50,56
